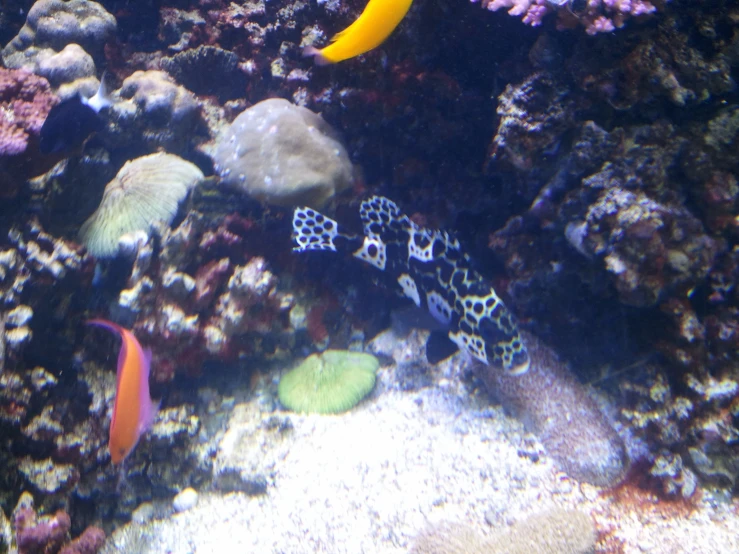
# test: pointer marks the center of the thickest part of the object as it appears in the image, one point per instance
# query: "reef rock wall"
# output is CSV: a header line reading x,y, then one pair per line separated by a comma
x,y
587,161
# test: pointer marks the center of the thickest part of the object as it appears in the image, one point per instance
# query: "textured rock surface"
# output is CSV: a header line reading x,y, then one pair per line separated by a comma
x,y
533,115
204,297
55,24
207,70
554,531
157,113
557,409
70,64
155,92
283,154
624,244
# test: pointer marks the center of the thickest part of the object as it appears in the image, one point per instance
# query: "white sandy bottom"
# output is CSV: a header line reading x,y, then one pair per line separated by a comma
x,y
369,481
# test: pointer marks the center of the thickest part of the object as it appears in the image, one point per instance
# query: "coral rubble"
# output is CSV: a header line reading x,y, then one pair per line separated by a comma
x,y
203,296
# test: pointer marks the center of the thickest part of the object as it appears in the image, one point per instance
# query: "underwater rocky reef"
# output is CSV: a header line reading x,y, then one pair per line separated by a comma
x,y
584,154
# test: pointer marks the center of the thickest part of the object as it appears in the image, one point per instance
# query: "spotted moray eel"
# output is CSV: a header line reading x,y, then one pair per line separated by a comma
x,y
431,270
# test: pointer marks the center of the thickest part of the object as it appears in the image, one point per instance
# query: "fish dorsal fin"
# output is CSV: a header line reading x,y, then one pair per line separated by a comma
x,y
380,214
373,251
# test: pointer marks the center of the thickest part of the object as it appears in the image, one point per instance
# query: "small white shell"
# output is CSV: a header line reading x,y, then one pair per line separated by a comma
x,y
185,500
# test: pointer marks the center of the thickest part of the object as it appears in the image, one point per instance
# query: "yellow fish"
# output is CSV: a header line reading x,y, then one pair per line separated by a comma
x,y
378,20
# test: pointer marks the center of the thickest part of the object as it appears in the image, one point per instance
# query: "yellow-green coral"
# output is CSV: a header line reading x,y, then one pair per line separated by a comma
x,y
329,383
145,190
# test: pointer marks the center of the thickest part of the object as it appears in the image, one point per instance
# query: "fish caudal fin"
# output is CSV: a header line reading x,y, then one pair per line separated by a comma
x,y
313,231
316,54
149,411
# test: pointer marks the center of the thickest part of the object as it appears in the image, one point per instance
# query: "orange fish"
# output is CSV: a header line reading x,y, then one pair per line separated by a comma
x,y
134,411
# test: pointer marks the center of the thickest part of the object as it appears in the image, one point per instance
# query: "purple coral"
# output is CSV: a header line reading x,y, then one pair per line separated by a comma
x,y
532,10
50,534
89,542
43,535
604,16
25,101
598,16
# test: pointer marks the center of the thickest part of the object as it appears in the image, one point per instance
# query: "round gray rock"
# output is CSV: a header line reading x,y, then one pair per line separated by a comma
x,y
69,65
283,154
57,23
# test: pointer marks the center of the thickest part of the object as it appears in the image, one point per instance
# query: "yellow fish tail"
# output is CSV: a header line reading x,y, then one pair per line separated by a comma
x,y
378,20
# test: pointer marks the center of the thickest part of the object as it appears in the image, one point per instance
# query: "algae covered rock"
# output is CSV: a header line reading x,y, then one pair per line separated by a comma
x,y
207,70
156,94
156,113
55,24
284,155
67,66
329,383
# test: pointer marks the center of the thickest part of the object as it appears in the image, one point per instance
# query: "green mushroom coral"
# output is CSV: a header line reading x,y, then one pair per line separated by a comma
x,y
329,383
